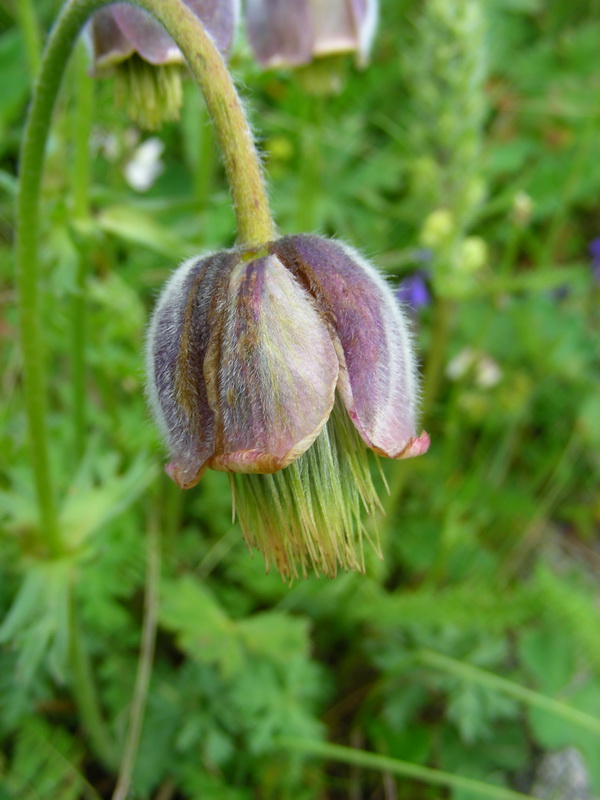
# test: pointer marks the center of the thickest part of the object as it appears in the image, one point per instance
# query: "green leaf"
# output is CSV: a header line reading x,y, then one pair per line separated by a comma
x,y
202,629
136,227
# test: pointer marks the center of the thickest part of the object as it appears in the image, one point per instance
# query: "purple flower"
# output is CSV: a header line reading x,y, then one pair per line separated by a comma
x,y
146,62
594,251
285,365
293,32
121,30
413,291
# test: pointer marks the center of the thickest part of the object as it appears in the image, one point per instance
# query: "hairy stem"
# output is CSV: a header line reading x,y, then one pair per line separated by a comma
x,y
255,225
81,189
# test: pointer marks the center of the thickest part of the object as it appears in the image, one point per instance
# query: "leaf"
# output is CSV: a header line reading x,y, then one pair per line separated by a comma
x,y
202,629
37,624
45,764
547,653
136,227
274,635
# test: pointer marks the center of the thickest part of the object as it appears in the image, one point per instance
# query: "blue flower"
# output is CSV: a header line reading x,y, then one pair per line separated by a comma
x,y
594,251
414,291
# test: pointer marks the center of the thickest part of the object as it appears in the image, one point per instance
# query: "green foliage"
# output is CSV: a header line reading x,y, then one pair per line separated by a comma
x,y
468,148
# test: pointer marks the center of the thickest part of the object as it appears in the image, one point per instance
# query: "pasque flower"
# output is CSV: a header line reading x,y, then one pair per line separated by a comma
x,y
128,41
293,32
282,366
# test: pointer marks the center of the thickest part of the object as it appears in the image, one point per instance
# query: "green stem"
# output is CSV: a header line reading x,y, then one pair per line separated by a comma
x,y
84,689
81,190
144,672
361,758
437,353
31,33
255,225
309,177
473,674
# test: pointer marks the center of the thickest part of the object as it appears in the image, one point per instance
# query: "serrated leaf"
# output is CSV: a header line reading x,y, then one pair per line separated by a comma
x,y
201,627
274,635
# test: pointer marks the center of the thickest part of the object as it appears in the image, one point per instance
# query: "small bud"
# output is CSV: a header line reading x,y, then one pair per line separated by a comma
x,y
281,367
438,228
522,209
472,255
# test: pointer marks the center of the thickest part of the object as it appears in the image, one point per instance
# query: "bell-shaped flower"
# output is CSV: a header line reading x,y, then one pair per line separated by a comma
x,y
281,367
130,42
120,30
293,32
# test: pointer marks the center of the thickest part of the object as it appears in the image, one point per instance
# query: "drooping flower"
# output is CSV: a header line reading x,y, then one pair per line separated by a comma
x,y
127,41
282,366
293,32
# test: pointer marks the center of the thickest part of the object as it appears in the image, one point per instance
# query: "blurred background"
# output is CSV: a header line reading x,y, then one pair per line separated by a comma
x,y
465,161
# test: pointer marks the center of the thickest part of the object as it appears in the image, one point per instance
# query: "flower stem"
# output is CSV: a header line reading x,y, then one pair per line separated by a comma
x,y
471,674
144,671
436,777
84,689
255,224
31,34
81,190
434,369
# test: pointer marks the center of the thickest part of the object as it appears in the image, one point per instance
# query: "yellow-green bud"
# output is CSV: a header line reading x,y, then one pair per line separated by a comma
x,y
438,229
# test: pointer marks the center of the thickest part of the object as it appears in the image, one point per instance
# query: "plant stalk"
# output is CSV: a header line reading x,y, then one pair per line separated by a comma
x,y
31,34
393,766
255,224
84,689
468,672
144,671
81,190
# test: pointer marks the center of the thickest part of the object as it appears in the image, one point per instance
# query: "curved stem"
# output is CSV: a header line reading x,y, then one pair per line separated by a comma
x,y
81,190
255,225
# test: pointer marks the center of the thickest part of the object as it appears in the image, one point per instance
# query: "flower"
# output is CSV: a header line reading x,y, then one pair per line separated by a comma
x,y
594,251
147,62
282,366
121,30
293,32
413,290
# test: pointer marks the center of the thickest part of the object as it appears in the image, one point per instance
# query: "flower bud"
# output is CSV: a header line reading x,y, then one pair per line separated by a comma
x,y
438,228
282,366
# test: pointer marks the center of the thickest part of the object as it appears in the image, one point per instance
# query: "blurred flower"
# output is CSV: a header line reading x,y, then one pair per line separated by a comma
x,y
121,30
282,366
522,209
438,228
145,165
293,32
594,251
413,291
472,254
128,41
485,370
